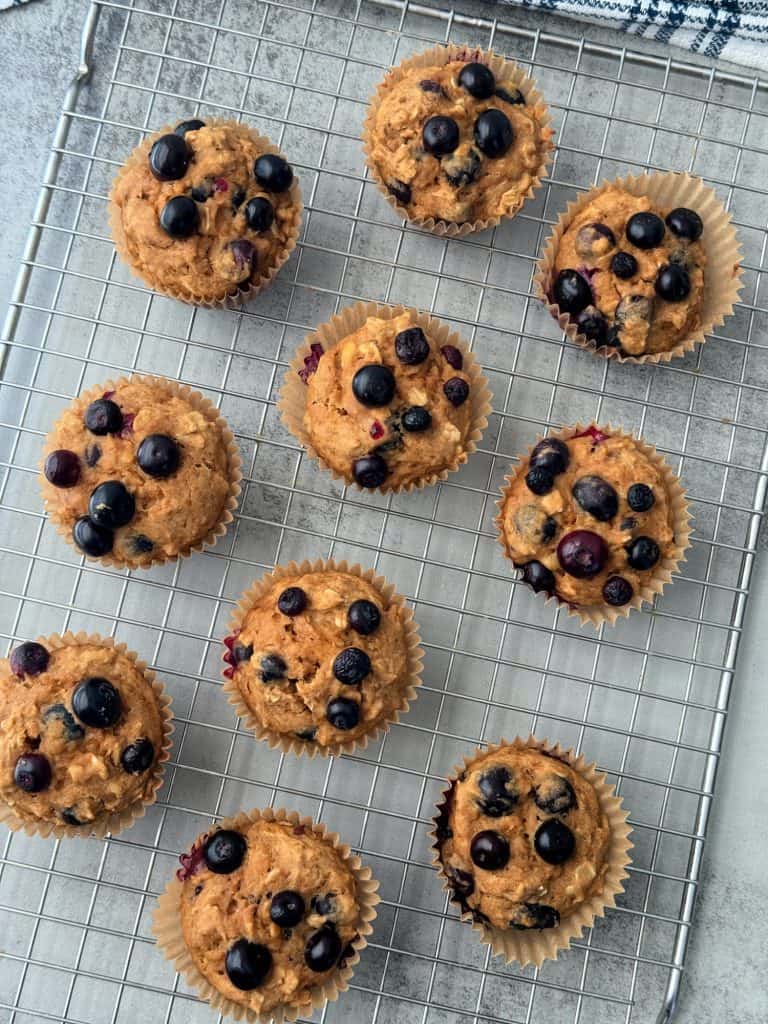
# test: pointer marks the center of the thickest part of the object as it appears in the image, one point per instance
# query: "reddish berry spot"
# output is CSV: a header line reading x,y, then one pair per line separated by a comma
x,y
127,428
377,430
595,433
229,672
311,361
452,356
299,830
220,184
192,862
108,394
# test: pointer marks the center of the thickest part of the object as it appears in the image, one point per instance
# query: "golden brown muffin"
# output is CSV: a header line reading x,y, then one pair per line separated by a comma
x,y
205,211
522,839
139,472
631,275
81,732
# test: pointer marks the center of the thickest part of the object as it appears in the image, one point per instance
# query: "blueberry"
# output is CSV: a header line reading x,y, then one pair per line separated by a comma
x,y
159,455
323,949
613,337
400,190
456,390
462,170
137,757
93,540
554,795
351,666
287,908
539,480
202,192
97,703
416,419
462,882
292,601
629,523
624,265
324,906
685,223
571,292
493,133
141,544
111,505
582,553
273,173
169,158
440,135
643,553
554,842
238,198
58,713
272,667
192,125
247,964
307,734
549,528
259,214
534,915
343,713
453,356
32,773
225,851
539,577
411,346
370,470
592,325
498,792
180,217
489,850
364,617
62,468
92,454
617,590
242,652
594,240
28,659
513,96
478,80
551,454
69,817
673,283
244,254
597,497
645,230
103,417
374,385
640,497
429,85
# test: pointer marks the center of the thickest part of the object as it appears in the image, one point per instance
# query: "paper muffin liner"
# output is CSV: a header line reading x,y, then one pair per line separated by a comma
x,y
722,274
120,820
668,564
502,67
212,414
292,403
289,743
167,928
242,294
534,946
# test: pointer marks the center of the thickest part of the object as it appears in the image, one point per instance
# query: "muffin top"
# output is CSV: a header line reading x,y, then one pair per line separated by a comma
x,y
630,274
138,472
321,657
454,143
386,407
522,839
268,911
587,519
81,731
205,210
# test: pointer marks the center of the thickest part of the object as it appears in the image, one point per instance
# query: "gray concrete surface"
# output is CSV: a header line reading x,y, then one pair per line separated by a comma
x,y
725,979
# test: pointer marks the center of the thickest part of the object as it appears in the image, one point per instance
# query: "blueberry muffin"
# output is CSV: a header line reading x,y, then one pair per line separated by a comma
x,y
140,471
83,734
457,136
595,519
205,211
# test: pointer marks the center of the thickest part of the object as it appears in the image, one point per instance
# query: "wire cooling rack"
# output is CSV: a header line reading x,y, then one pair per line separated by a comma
x,y
646,699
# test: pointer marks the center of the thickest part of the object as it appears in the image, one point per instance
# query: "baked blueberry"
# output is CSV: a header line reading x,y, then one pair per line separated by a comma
x,y
273,173
462,883
180,217
640,497
582,553
242,652
478,80
539,480
594,240
592,325
534,915
351,666
552,454
92,454
97,703
32,773
169,158
62,468
225,851
597,497
411,346
549,528
202,192
489,850
364,617
259,214
498,794
617,590
374,385
111,505
247,964
137,757
493,133
69,817
323,949
539,577
28,659
370,470
141,544
643,553
456,390
159,455
93,540
243,253
554,842
453,356
238,198
629,523
416,419
513,96
292,601
554,795
571,292
645,230
673,283
103,417
462,169
272,667
71,730
193,125
287,908
624,265
430,85
307,734
343,713
440,135
400,190
685,223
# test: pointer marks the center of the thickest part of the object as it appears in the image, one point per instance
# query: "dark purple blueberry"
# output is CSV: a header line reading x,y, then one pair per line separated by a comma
x,y
430,85
292,601
351,666
169,158
498,794
462,882
71,730
193,125
461,170
456,390
513,96
645,230
478,80
539,577
640,497
225,851
242,652
273,173
592,325
103,417
554,842
629,523
673,283
307,734
400,190
440,135
453,356
374,385
552,454
259,214
549,528
370,470
411,346
243,253
69,817
643,553
97,703
238,198
343,713
323,949
287,908
111,505
138,756
582,553
93,540
534,915
613,337
594,240
539,480
416,419
554,795
617,590
159,455
597,497
624,265
32,773
685,223
247,964
272,667
62,468
180,217
92,454
393,444
141,544
493,133
489,850
202,192
571,292
28,659
364,617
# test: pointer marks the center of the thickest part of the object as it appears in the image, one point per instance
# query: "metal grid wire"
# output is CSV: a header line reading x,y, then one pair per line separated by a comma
x,y
646,699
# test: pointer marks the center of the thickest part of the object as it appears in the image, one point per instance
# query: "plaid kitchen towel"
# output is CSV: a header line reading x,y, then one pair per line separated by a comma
x,y
735,30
